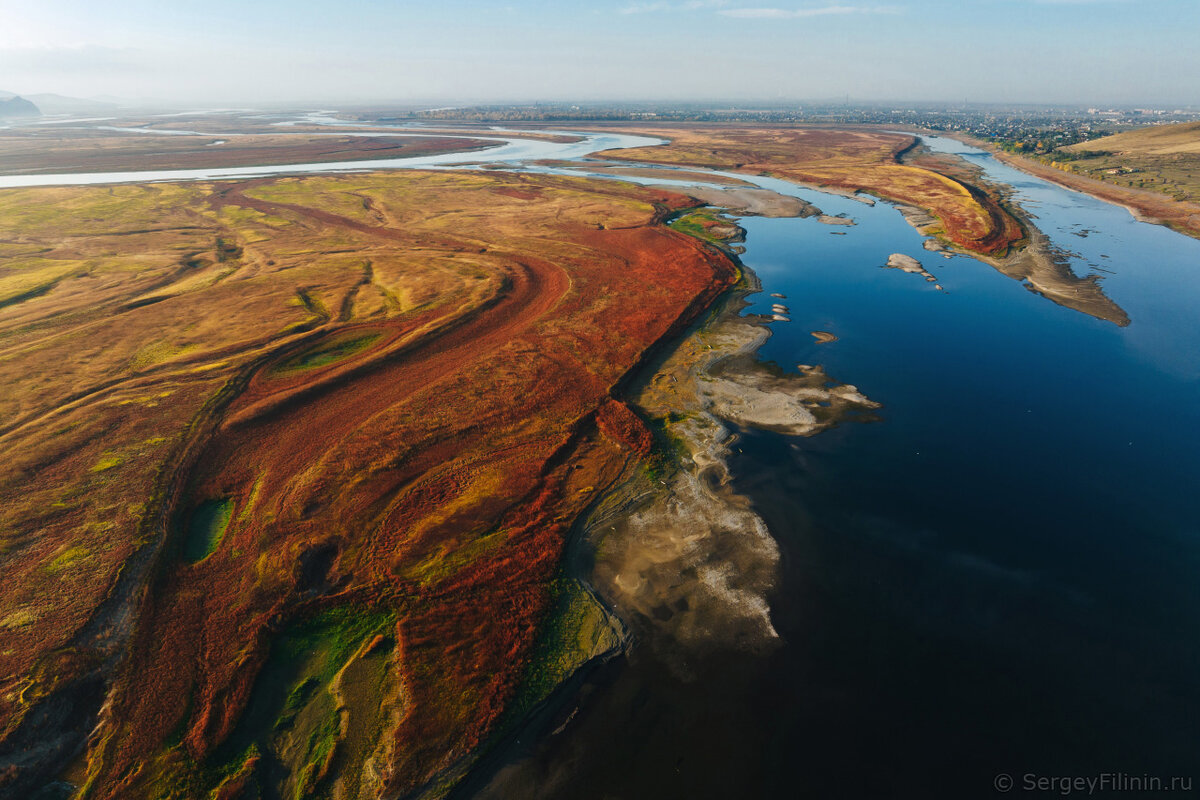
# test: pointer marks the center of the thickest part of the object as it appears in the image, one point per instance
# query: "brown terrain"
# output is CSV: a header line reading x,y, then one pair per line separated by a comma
x,y
867,161
292,463
29,151
942,197
1153,172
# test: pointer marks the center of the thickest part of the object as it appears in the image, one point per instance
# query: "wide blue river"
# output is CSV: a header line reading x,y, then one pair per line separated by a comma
x,y
1000,575
997,575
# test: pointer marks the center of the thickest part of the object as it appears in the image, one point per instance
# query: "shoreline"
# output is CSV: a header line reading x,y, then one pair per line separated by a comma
x,y
1033,260
665,517
1034,264
685,285
969,216
1121,196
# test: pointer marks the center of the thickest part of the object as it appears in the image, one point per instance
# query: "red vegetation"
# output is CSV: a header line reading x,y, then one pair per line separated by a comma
x,y
857,160
620,424
434,474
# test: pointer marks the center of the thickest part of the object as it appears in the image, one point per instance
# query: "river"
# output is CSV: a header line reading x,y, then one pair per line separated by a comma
x,y
996,576
506,150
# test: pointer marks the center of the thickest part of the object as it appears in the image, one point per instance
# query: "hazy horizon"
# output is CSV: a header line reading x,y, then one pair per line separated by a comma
x,y
1104,52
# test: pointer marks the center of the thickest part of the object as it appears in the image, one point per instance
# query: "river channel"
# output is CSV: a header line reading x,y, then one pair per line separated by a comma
x,y
997,574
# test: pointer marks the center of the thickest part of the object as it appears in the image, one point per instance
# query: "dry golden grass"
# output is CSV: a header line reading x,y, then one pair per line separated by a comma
x,y
381,400
1154,172
1163,160
857,160
1158,140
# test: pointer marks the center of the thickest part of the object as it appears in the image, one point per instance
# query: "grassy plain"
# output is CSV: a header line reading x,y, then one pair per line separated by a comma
x,y
1163,158
867,161
291,464
1155,172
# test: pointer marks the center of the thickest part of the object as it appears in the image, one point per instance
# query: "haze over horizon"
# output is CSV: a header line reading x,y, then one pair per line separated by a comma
x,y
223,52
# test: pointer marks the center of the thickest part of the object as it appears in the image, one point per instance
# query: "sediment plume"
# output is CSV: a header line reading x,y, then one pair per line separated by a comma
x,y
693,562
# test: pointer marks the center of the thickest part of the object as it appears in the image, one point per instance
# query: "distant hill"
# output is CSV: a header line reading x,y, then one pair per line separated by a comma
x,y
15,107
59,104
1161,158
1157,140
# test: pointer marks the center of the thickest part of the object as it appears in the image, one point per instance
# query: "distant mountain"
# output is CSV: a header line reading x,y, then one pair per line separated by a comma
x,y
15,107
112,100
58,104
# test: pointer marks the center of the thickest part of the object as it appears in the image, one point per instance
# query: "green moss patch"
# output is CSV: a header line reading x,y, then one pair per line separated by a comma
x,y
579,629
316,700
205,527
328,351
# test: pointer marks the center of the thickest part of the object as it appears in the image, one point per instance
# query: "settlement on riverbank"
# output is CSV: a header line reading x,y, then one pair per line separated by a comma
x,y
1145,205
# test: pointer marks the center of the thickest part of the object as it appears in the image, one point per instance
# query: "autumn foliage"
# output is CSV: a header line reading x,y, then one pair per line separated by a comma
x,y
857,160
407,405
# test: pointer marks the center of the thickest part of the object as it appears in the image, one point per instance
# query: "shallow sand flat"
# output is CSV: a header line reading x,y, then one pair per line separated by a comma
x,y
1035,265
691,523
665,172
749,201
907,264
826,219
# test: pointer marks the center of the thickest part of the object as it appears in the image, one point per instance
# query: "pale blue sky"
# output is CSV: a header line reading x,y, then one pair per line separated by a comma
x,y
227,51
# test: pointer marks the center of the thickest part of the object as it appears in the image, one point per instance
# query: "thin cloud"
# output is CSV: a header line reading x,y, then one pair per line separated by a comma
x,y
70,58
801,13
688,5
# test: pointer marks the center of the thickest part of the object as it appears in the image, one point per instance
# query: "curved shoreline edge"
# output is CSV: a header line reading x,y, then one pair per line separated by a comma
x,y
678,514
1143,205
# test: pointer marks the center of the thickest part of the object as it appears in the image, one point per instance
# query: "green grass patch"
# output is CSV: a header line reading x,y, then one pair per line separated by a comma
x,y
328,351
294,715
205,527
442,564
157,352
107,461
578,630
700,222
68,558
29,278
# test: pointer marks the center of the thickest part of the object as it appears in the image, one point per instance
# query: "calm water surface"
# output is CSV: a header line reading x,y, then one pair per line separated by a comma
x,y
507,150
1000,575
